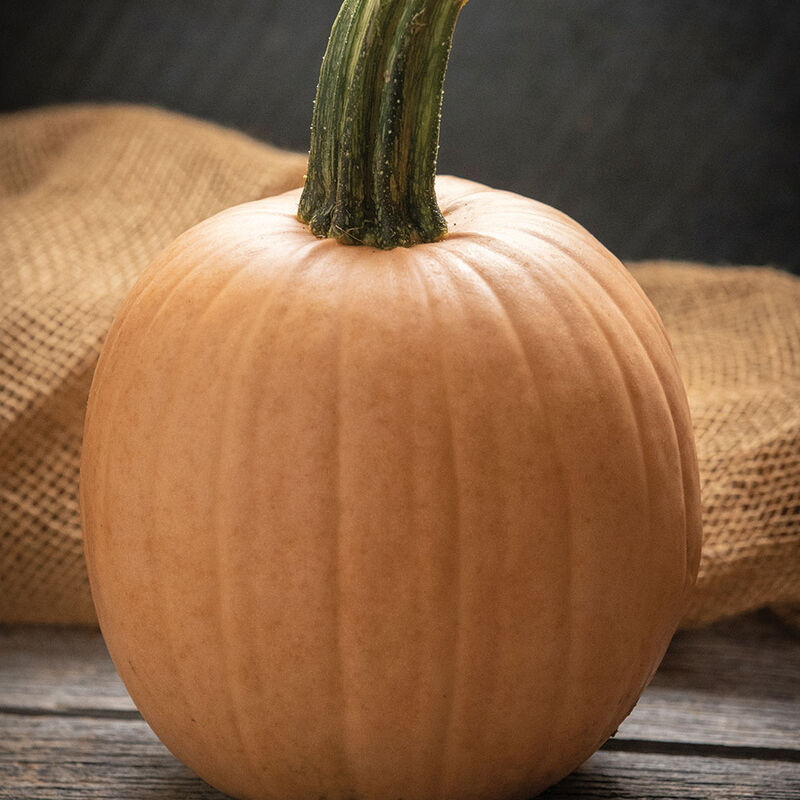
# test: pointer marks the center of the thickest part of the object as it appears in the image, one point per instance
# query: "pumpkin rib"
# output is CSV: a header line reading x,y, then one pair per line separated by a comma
x,y
306,260
112,405
499,244
505,205
546,239
457,655
655,319
452,261
226,435
155,268
559,219
685,457
627,700
284,295
225,432
310,259
157,488
148,542
557,461
229,680
654,364
448,646
633,408
461,200
178,285
676,438
348,764
558,698
156,585
620,269
137,297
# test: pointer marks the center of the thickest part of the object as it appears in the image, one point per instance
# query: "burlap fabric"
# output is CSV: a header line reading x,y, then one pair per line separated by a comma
x,y
736,335
88,195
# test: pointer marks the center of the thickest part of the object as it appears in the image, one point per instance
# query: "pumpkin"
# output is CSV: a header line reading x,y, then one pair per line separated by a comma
x,y
380,521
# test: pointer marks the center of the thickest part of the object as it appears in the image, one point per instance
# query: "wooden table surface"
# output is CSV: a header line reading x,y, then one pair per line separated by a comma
x,y
721,719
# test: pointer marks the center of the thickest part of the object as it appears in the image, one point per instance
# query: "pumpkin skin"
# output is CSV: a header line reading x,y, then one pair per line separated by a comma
x,y
414,523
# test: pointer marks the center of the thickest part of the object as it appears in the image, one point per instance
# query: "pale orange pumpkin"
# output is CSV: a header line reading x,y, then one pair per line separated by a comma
x,y
415,522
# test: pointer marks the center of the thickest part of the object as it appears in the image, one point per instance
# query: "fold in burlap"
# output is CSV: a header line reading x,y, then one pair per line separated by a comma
x,y
736,335
88,195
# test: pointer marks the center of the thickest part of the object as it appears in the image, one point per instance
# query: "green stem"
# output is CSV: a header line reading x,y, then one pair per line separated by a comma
x,y
375,131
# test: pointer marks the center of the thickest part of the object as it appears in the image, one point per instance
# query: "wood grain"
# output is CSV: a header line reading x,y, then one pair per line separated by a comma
x,y
48,758
74,757
58,669
720,720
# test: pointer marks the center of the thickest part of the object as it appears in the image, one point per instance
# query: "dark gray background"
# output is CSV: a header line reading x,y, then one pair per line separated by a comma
x,y
669,128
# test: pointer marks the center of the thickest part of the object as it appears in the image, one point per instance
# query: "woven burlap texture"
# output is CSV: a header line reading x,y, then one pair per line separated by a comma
x,y
89,194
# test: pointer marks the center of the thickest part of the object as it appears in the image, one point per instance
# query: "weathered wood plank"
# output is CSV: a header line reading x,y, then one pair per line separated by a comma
x,y
49,758
658,776
680,715
58,669
756,655
721,719
735,684
53,758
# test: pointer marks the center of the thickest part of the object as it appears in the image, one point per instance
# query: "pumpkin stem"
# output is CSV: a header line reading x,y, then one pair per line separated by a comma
x,y
375,130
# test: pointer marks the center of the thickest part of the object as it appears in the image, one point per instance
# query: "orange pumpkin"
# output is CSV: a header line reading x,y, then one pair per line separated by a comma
x,y
414,522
